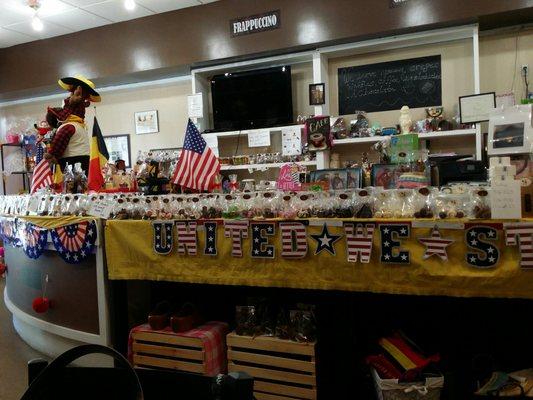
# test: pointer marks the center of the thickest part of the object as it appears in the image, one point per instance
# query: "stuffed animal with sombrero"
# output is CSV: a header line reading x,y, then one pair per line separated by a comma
x,y
70,144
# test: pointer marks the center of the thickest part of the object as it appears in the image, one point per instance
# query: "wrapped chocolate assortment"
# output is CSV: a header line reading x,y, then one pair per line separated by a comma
x,y
431,203
265,158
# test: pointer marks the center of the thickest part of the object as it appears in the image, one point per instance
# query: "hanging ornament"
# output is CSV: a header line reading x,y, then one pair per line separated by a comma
x,y
75,242
435,245
325,241
42,304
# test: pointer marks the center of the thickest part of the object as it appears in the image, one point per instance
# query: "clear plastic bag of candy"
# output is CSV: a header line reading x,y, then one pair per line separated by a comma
x,y
364,203
421,203
480,203
343,205
287,208
451,205
121,210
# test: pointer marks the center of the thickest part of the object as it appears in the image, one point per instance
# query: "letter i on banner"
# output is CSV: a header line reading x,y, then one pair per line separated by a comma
x,y
210,238
187,240
359,242
163,236
293,239
388,256
236,230
260,246
474,237
524,233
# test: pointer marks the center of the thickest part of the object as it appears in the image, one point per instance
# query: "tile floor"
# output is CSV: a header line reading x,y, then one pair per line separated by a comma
x,y
14,355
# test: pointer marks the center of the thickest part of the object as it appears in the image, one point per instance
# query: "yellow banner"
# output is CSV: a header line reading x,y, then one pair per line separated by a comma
x,y
450,258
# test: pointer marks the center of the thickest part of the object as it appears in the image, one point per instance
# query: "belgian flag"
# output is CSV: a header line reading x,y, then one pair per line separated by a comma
x,y
98,159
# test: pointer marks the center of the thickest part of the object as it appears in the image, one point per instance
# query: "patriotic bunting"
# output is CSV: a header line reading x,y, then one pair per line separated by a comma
x,y
33,239
260,246
210,238
325,241
187,240
293,239
75,242
359,242
163,237
477,238
388,234
236,230
8,231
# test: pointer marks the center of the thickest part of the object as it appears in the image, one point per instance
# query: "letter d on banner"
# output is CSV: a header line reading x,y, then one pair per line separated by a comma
x,y
293,239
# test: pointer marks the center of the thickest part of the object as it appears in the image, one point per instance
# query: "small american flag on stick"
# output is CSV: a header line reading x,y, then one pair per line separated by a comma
x,y
42,174
198,164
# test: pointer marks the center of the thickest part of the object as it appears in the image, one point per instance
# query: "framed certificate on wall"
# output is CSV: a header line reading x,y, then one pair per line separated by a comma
x,y
477,107
118,147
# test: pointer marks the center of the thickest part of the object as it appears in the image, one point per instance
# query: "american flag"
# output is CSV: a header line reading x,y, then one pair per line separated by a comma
x,y
435,245
197,164
42,174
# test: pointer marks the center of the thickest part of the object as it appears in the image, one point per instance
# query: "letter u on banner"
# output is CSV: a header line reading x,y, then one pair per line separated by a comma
x,y
187,239
163,237
293,239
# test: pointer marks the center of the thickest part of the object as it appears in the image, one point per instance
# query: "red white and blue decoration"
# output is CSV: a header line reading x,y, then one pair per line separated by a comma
x,y
260,233
325,241
163,236
435,245
8,230
236,230
389,232
187,239
210,238
75,242
359,242
524,233
483,239
33,239
293,239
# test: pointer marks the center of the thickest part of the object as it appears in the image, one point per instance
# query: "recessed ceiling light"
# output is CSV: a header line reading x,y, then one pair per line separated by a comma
x,y
129,4
37,24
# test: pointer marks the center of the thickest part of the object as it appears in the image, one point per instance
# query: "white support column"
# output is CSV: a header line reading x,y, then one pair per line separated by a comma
x,y
200,85
477,87
320,75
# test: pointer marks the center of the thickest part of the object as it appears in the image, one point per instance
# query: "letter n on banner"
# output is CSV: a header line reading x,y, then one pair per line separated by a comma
x,y
475,237
163,236
359,242
293,239
389,255
187,240
210,238
236,230
524,233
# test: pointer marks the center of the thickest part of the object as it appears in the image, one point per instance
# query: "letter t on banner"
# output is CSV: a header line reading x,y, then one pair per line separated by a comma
x,y
236,230
524,233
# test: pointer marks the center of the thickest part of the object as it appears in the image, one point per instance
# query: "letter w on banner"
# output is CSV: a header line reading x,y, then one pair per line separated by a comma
x,y
187,239
524,233
236,230
359,242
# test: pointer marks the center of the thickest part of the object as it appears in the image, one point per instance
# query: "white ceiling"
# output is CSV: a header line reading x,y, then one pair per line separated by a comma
x,y
66,16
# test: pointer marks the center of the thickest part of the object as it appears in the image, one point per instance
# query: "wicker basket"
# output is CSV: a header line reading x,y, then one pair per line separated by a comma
x,y
391,389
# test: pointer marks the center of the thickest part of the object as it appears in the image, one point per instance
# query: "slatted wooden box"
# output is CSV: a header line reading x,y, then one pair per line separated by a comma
x,y
156,350
282,369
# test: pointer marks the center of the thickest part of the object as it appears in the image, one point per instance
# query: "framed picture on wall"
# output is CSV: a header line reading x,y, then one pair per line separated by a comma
x,y
118,147
317,94
477,107
146,122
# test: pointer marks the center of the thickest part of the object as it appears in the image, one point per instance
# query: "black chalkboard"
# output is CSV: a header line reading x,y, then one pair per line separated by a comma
x,y
390,85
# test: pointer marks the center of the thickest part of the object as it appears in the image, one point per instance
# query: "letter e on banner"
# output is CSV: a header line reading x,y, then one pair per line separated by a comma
x,y
260,246
389,253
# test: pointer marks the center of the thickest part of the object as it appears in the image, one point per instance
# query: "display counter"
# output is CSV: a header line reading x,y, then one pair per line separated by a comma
x,y
78,309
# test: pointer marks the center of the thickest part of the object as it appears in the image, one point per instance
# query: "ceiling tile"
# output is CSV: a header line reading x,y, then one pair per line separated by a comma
x,y
77,20
49,30
207,1
160,6
53,7
10,38
115,11
82,3
12,12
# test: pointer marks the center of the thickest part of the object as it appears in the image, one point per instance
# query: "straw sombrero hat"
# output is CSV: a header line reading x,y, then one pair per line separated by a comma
x,y
79,80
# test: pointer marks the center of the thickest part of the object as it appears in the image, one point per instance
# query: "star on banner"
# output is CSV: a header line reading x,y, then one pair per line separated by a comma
x,y
325,241
435,245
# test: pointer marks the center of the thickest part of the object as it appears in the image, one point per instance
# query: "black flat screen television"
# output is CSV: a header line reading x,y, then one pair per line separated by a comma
x,y
252,99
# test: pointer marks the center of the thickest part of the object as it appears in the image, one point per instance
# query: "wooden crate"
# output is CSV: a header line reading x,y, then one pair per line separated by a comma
x,y
282,369
157,350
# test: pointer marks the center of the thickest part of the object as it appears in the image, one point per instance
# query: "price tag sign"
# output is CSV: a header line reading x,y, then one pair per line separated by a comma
x,y
259,138
505,198
33,204
291,141
101,208
195,105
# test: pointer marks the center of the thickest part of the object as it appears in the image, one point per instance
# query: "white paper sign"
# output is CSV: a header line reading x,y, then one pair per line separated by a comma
x,y
212,142
259,138
101,208
291,141
195,105
505,199
33,205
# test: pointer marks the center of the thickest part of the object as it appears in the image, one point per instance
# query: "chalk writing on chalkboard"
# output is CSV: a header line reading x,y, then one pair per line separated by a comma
x,y
390,85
